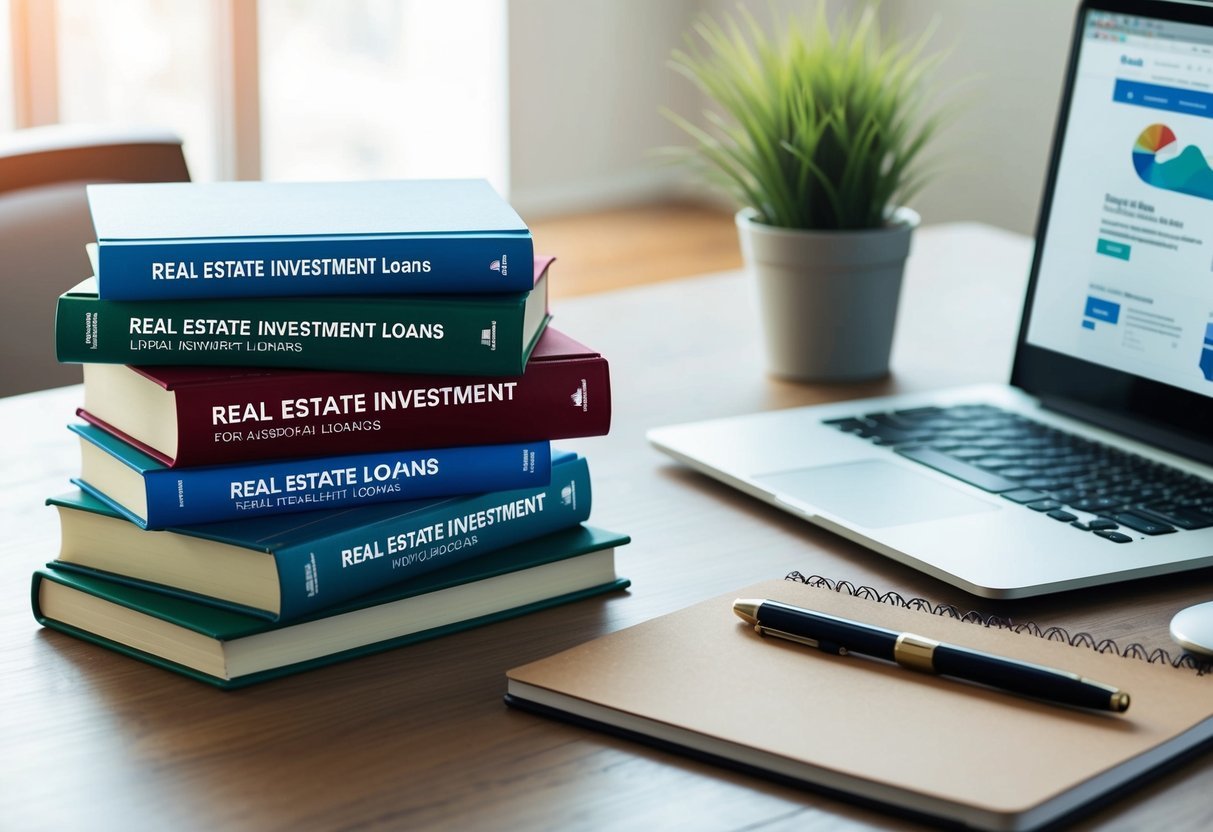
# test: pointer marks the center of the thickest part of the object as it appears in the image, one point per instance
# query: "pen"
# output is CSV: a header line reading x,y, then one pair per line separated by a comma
x,y
840,636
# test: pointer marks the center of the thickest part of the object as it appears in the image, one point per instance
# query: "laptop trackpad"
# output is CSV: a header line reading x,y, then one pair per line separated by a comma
x,y
872,494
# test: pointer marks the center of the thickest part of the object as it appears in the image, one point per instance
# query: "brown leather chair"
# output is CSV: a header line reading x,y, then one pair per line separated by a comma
x,y
44,224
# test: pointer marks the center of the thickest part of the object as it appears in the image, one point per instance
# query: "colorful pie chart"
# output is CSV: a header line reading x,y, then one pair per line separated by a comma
x,y
1186,172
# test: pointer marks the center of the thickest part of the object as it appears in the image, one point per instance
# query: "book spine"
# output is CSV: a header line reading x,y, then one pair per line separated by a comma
x,y
326,414
475,335
453,264
204,495
328,571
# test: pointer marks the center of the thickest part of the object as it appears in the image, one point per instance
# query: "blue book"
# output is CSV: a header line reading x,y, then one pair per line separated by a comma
x,y
285,567
154,496
180,240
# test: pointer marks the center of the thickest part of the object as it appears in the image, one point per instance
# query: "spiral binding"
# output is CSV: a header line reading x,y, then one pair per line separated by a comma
x,y
1107,645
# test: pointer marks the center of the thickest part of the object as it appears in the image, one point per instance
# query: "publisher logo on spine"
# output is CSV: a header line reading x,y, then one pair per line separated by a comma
x,y
502,265
581,397
568,496
488,337
311,580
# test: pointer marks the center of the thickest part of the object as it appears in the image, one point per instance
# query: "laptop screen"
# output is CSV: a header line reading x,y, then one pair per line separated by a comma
x,y
1120,313
1126,272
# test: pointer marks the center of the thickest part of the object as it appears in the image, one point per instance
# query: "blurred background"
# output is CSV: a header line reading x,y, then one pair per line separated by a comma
x,y
557,103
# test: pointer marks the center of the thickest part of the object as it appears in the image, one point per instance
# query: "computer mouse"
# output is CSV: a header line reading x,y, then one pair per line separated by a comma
x,y
1192,629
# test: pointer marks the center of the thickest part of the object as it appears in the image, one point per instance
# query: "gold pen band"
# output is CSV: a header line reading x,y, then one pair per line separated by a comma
x,y
915,652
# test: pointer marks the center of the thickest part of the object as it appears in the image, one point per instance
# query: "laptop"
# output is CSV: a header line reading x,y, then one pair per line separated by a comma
x,y
1095,463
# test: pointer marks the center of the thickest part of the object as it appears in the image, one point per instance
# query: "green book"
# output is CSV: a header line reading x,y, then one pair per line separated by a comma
x,y
229,649
488,335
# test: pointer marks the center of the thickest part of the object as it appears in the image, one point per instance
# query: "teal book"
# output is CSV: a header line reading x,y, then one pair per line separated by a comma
x,y
286,567
194,240
229,649
478,334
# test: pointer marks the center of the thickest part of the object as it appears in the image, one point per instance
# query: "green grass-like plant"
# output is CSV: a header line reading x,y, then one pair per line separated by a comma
x,y
817,128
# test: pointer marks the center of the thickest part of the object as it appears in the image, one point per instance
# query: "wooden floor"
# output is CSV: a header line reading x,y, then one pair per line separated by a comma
x,y
630,246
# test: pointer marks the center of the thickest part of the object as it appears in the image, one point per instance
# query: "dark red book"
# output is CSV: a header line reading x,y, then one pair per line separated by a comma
x,y
187,416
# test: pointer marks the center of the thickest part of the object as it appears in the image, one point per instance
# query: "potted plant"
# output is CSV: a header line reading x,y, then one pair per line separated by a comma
x,y
818,134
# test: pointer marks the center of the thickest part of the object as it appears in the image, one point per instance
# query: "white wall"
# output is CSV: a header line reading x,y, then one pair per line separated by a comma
x,y
589,78
1007,59
587,81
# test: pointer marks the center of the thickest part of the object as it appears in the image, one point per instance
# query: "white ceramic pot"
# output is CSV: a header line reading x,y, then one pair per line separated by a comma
x,y
828,298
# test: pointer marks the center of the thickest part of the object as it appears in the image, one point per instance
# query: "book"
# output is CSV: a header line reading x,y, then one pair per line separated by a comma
x,y
284,567
187,416
154,496
701,682
229,649
190,240
489,335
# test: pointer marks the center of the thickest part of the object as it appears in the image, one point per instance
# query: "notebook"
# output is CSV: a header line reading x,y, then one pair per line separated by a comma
x,y
701,682
1054,481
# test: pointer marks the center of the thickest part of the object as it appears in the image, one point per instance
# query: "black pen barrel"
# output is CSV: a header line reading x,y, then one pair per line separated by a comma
x,y
1027,679
857,638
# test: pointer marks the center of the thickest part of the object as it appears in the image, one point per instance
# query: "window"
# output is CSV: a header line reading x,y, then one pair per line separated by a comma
x,y
142,62
280,89
382,88
6,68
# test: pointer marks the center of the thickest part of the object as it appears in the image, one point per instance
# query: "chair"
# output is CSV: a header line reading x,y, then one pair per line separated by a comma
x,y
44,224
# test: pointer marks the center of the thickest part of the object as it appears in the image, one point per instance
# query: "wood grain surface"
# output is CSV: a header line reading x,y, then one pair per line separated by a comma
x,y
418,737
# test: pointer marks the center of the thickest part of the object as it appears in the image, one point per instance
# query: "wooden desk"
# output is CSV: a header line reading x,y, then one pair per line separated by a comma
x,y
419,737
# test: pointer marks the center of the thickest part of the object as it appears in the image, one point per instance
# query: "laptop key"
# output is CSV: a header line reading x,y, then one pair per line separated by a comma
x,y
1141,524
1047,483
1097,503
1024,495
1018,472
918,412
888,420
963,434
847,425
882,435
1044,505
1102,524
1182,517
1063,516
1016,453
1115,537
960,470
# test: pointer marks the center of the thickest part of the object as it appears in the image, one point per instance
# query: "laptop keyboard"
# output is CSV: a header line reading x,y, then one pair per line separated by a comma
x,y
1043,469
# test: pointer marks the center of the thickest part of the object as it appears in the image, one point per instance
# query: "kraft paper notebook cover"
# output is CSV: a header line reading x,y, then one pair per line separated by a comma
x,y
704,683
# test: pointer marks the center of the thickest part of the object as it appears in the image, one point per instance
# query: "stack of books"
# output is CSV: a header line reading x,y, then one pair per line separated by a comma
x,y
316,424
